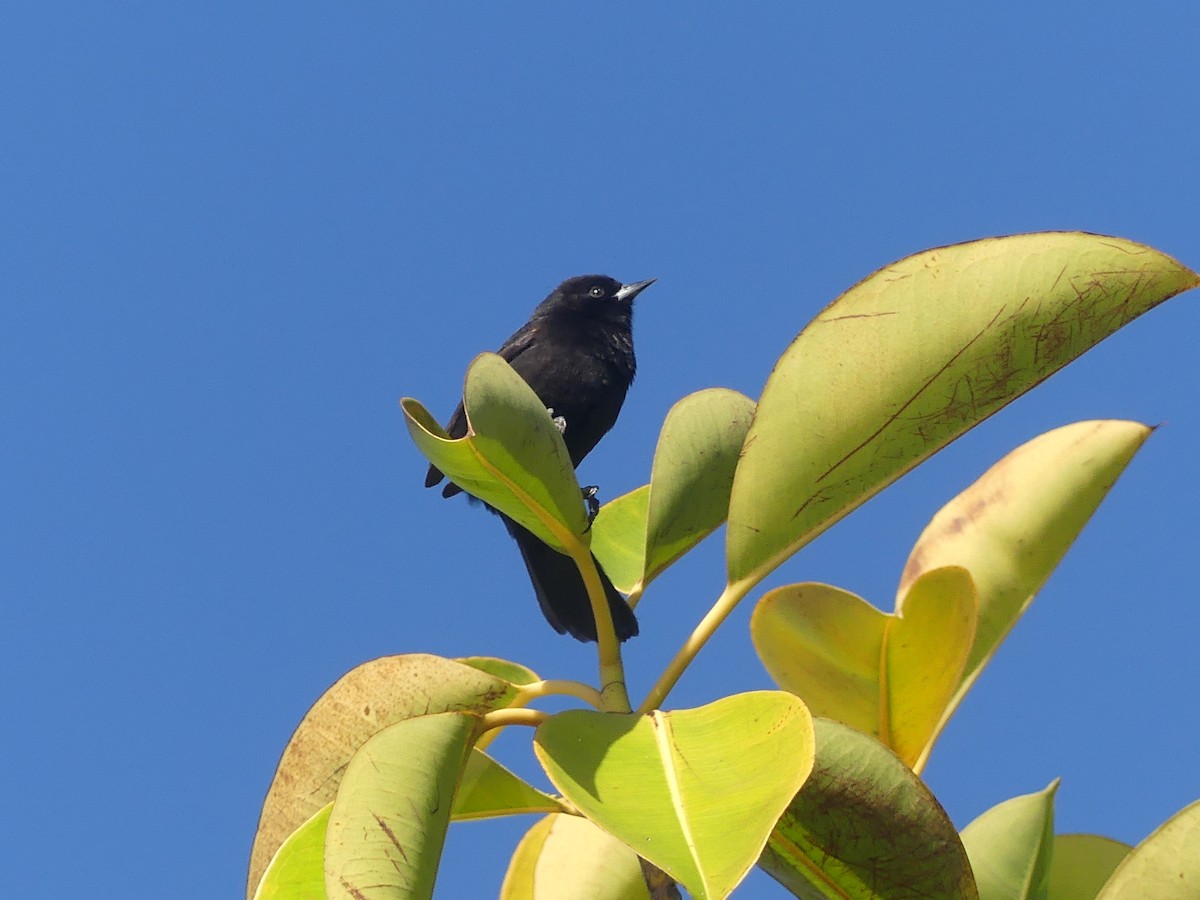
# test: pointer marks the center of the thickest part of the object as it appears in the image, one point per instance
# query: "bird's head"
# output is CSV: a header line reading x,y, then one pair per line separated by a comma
x,y
596,294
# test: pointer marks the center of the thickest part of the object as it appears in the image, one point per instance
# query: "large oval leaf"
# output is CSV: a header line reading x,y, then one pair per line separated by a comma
x,y
864,827
1165,866
696,792
363,701
512,458
1013,525
913,356
388,823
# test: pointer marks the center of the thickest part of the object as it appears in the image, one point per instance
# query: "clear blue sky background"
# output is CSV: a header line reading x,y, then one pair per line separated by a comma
x,y
233,235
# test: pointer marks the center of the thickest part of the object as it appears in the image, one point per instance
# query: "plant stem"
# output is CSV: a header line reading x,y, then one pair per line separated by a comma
x,y
499,718
584,692
720,610
613,695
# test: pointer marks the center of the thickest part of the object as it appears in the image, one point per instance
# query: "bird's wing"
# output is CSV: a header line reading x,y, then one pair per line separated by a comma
x,y
518,343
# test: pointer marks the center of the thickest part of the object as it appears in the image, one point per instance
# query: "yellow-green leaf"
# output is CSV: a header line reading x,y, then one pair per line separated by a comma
x,y
513,456
694,463
824,645
1081,864
1165,866
695,791
619,538
1011,527
864,827
913,356
388,823
568,858
925,647
297,871
365,700
487,789
889,676
1010,847
504,669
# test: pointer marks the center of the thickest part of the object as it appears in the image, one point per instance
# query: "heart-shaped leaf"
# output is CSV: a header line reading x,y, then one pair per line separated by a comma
x,y
824,645
887,675
694,791
925,647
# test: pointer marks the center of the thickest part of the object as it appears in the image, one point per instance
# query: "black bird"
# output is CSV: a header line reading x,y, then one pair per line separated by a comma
x,y
576,352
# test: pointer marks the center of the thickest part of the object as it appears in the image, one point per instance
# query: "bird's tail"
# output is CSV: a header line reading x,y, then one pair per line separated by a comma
x,y
561,592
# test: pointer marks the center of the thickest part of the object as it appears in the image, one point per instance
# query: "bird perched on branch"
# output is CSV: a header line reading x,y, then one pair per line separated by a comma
x,y
576,352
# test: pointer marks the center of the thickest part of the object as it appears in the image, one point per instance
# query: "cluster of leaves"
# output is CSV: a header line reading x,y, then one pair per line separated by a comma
x,y
819,781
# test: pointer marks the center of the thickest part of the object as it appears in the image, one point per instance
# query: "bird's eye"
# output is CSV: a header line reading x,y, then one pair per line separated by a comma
x,y
597,291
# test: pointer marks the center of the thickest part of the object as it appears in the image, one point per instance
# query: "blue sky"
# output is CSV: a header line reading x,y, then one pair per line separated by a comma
x,y
232,236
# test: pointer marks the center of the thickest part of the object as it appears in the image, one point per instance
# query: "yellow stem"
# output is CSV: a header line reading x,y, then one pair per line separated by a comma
x,y
584,692
499,718
721,609
613,695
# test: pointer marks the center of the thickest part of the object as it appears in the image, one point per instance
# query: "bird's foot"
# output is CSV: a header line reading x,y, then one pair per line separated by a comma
x,y
593,505
559,422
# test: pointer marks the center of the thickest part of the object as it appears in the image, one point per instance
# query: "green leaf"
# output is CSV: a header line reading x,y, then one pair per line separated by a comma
x,y
619,538
889,676
487,789
1013,525
513,457
389,820
1010,847
913,356
1081,864
569,858
925,649
365,700
298,868
694,463
1008,530
512,672
864,827
696,791
638,535
823,644
1165,866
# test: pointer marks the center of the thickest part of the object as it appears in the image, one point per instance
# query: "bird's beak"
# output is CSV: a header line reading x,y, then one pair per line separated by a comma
x,y
629,291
